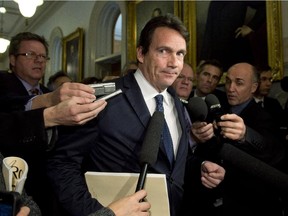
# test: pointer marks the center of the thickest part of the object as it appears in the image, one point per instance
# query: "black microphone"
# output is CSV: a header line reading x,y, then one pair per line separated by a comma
x,y
254,167
150,147
197,109
214,107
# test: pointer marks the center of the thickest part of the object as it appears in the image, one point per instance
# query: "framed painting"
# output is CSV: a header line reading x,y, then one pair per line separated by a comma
x,y
264,45
139,12
73,55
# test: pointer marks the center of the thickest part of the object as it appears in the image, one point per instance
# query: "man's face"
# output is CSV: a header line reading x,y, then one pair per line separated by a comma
x,y
239,83
207,80
163,62
29,69
265,83
184,82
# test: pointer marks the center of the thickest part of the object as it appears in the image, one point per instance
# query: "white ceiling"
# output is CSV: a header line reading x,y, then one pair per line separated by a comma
x,y
14,22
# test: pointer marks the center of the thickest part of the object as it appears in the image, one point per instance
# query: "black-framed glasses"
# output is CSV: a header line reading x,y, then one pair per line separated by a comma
x,y
34,56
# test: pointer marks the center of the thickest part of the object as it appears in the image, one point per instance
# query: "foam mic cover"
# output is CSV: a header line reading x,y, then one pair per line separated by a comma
x,y
197,109
284,83
254,167
214,107
150,146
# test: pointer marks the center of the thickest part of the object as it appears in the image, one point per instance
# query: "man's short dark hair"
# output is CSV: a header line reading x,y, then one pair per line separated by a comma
x,y
212,62
25,36
169,21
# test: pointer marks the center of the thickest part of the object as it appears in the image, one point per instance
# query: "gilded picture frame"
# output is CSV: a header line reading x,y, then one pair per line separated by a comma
x,y
72,61
274,35
134,28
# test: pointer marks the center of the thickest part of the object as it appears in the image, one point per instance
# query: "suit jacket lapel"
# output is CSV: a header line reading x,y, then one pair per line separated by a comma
x,y
132,92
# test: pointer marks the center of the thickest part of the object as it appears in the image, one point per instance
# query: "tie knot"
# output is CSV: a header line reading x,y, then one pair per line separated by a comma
x,y
159,103
34,91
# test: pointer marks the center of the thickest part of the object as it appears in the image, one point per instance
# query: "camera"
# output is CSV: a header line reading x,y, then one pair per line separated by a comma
x,y
9,203
103,88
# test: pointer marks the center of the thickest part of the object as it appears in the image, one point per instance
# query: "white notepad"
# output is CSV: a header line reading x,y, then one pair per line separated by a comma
x,y
108,187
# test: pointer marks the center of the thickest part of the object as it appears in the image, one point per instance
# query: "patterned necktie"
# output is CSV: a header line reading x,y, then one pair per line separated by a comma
x,y
166,136
34,91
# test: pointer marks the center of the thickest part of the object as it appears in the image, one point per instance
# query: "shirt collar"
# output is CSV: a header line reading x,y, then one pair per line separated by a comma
x,y
147,89
237,109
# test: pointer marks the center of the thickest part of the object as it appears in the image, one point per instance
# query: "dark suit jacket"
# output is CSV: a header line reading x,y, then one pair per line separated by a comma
x,y
13,95
274,108
112,143
244,194
22,130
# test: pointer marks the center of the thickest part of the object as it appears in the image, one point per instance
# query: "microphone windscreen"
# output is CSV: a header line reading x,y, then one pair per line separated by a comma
x,y
151,142
197,109
284,83
211,101
254,167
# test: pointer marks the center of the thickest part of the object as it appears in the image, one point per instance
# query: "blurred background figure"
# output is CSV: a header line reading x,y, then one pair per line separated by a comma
x,y
261,96
183,85
91,80
57,80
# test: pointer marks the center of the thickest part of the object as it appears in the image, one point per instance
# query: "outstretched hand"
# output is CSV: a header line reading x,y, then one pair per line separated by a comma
x,y
232,127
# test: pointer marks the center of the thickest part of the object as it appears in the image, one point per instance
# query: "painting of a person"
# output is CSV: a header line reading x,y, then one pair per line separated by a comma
x,y
231,36
72,60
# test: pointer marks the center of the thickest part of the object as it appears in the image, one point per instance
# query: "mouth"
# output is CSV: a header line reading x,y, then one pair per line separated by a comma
x,y
37,68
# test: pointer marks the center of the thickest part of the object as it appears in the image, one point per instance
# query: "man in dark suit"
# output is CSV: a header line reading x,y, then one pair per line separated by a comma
x,y
250,128
271,105
208,76
28,54
112,141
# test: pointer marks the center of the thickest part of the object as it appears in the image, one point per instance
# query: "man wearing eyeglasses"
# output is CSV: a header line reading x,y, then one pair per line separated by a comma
x,y
184,83
28,54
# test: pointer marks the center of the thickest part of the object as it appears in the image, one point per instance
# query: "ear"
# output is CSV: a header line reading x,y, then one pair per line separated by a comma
x,y
254,87
12,60
140,56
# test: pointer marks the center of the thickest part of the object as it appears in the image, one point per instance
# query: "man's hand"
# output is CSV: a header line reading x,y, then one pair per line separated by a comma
x,y
243,31
202,132
24,211
232,127
73,111
211,174
131,205
62,93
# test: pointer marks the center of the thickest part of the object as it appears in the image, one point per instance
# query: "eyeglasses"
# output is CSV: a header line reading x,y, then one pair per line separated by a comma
x,y
34,56
182,77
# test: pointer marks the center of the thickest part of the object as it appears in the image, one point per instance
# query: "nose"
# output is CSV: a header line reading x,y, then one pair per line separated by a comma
x,y
229,87
39,58
173,61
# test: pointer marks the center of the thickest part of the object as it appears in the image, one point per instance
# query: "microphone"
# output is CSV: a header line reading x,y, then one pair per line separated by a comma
x,y
254,167
150,147
214,106
197,109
